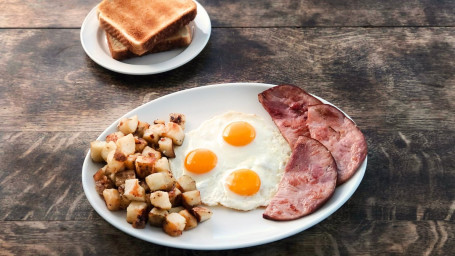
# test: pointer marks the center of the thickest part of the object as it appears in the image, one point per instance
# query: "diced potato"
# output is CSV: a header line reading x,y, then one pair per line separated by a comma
x,y
141,127
136,214
191,199
149,151
159,121
201,213
162,165
130,163
115,162
112,199
153,133
178,119
175,197
166,147
124,202
108,147
114,136
126,145
185,183
174,224
120,177
176,209
191,221
159,181
157,216
102,182
175,132
128,125
96,147
160,199
100,173
140,144
144,166
134,191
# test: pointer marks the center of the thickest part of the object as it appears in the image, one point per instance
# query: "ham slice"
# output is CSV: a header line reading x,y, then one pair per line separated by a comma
x,y
309,180
340,135
288,106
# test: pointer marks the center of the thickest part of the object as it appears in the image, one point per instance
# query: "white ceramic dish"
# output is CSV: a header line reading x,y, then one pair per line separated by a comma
x,y
93,40
227,229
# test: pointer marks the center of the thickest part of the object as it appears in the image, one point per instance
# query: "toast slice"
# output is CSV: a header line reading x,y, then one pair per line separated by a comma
x,y
141,24
181,38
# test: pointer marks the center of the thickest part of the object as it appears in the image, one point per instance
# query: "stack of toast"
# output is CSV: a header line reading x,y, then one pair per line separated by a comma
x,y
138,27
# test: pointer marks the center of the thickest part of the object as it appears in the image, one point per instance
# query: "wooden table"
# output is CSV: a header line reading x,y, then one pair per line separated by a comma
x,y
389,64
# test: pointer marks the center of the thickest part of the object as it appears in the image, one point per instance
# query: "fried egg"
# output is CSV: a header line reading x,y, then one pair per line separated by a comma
x,y
236,159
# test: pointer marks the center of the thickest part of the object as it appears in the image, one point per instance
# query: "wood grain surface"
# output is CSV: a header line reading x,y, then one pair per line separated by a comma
x,y
389,64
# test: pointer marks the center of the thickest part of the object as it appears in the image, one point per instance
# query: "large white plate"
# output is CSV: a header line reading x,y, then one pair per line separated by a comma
x,y
227,228
93,40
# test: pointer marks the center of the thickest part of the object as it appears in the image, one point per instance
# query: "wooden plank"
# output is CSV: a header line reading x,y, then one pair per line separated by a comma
x,y
257,13
327,238
402,77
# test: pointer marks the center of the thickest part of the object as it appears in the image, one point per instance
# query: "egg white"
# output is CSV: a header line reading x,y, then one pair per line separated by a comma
x,y
267,155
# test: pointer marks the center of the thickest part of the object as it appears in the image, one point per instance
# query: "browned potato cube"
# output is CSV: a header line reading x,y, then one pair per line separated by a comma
x,y
153,133
191,199
201,213
144,166
185,183
134,191
148,151
120,177
175,197
166,147
100,173
108,147
175,132
126,145
176,209
160,199
96,147
162,165
140,144
130,163
157,216
174,224
178,119
124,202
141,127
102,182
136,214
160,181
191,221
128,125
112,198
115,162
114,136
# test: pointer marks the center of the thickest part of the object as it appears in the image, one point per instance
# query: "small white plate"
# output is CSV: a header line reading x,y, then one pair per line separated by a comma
x,y
227,229
93,39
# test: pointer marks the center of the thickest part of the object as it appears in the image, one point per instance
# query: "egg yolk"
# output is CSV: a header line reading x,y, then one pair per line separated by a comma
x,y
243,182
239,133
200,161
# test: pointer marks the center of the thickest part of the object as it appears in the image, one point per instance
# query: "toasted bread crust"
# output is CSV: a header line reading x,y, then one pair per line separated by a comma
x,y
116,53
121,52
140,38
